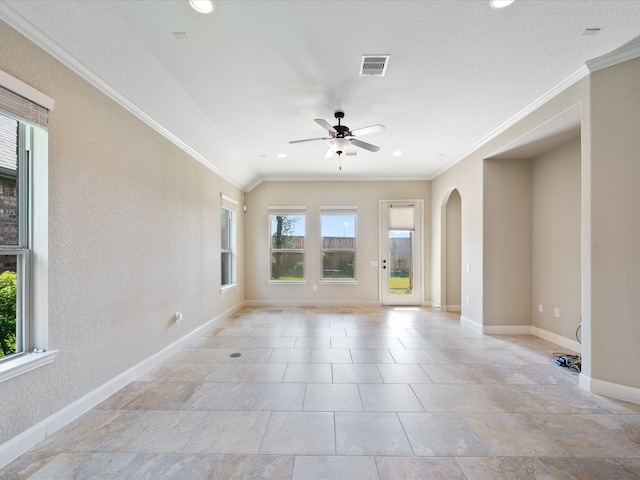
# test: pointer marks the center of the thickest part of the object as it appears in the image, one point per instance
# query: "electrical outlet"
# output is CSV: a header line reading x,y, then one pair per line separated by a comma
x,y
315,287
177,317
540,308
468,301
556,312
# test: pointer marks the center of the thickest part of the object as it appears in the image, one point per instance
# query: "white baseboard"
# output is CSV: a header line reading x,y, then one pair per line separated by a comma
x,y
28,439
467,322
523,330
311,303
608,389
558,339
507,330
452,308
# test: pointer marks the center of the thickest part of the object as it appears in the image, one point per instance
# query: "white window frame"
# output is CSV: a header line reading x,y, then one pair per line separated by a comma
x,y
231,205
35,293
340,211
291,211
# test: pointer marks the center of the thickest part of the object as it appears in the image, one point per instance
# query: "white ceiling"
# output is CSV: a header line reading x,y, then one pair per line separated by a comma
x,y
253,75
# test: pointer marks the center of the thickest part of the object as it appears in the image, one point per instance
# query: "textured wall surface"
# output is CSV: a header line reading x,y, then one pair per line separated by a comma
x,y
133,237
615,223
507,242
556,240
313,195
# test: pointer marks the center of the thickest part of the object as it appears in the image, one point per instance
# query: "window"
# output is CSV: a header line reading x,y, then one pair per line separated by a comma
x,y
287,227
227,241
23,228
338,227
14,248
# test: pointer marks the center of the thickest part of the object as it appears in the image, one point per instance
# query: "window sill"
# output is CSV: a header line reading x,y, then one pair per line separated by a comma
x,y
228,288
25,363
339,282
287,282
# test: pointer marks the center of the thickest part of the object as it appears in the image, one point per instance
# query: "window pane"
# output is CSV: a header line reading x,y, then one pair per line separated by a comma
x,y
338,246
287,231
226,268
287,266
10,334
225,227
338,265
8,181
401,262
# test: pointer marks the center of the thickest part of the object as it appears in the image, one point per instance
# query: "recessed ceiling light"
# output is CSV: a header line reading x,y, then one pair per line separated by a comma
x,y
282,155
500,3
397,153
202,6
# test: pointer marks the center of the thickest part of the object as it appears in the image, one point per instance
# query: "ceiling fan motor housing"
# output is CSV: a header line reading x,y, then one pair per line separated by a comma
x,y
342,131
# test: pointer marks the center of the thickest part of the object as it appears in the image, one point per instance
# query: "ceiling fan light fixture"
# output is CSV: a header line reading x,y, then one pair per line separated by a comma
x,y
202,6
340,144
500,3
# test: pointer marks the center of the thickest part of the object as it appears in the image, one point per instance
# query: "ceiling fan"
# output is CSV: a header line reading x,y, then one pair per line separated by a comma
x,y
340,137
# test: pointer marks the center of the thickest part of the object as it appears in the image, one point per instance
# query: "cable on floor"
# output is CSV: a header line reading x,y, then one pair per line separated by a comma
x,y
567,360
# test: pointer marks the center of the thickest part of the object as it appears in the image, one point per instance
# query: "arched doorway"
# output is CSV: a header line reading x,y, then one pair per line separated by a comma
x,y
451,252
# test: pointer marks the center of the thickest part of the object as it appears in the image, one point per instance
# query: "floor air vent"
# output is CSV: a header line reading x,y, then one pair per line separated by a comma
x,y
374,65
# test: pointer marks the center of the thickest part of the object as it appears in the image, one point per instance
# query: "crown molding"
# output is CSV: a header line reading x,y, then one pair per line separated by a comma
x,y
43,41
561,86
298,178
628,51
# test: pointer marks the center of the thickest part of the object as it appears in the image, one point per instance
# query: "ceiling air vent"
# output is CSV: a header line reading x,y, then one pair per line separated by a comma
x,y
350,154
374,65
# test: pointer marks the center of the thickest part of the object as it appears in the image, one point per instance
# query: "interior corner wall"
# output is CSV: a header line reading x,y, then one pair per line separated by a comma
x,y
466,177
314,194
556,269
134,236
615,224
507,242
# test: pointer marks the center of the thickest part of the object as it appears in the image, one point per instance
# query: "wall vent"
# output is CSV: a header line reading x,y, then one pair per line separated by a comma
x,y
374,65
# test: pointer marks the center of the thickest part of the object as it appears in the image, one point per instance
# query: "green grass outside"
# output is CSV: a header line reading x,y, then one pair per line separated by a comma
x,y
399,283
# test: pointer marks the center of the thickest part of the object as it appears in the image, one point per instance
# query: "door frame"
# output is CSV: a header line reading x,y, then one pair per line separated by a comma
x,y
384,235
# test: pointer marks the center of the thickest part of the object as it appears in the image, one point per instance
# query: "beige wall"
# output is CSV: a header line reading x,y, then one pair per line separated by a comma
x,y
453,254
467,177
134,234
133,237
313,195
612,326
507,242
556,240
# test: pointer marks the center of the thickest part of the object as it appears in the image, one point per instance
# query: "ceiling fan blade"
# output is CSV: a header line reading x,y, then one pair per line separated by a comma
x,y
326,125
367,130
329,153
365,145
309,140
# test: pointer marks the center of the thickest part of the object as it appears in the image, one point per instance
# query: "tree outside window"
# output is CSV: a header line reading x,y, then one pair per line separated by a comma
x,y
287,246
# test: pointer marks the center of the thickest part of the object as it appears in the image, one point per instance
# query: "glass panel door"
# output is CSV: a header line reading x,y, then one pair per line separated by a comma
x,y
401,263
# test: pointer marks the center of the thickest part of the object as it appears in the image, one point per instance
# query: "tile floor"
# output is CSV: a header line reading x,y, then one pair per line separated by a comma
x,y
348,393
